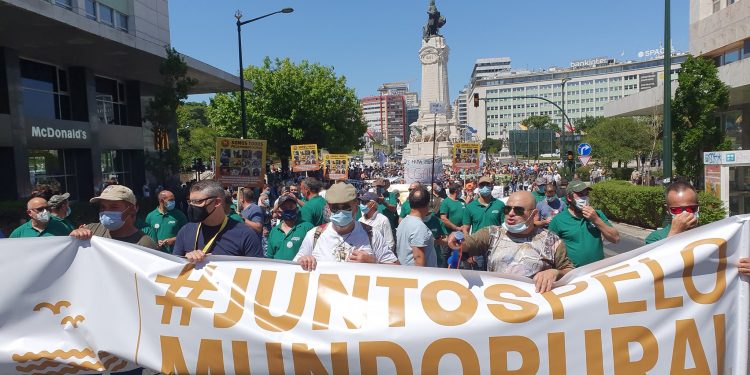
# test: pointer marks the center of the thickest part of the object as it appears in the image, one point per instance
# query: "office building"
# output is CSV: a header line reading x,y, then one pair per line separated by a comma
x,y
511,97
492,67
75,79
386,116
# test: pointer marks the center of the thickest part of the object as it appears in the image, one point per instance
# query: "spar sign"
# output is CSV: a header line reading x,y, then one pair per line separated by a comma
x,y
674,307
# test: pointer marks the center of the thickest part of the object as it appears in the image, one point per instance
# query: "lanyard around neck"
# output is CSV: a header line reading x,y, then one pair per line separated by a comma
x,y
209,243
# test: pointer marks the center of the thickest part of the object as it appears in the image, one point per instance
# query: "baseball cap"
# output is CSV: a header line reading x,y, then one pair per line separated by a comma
x,y
115,193
284,198
576,186
56,200
540,181
341,193
368,196
486,179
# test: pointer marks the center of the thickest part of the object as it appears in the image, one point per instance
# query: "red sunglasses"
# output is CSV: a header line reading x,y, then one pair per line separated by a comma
x,y
679,210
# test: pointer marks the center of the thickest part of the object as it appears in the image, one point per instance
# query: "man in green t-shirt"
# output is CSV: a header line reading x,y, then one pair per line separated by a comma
x,y
406,207
285,238
480,213
582,228
314,206
165,222
59,207
387,203
440,234
452,209
682,205
39,224
539,189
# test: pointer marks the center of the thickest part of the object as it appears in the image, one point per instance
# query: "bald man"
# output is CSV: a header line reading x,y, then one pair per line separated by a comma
x,y
518,247
39,224
682,205
165,222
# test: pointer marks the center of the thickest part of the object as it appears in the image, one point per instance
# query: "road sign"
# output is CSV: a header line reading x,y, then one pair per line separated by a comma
x,y
584,159
437,107
584,149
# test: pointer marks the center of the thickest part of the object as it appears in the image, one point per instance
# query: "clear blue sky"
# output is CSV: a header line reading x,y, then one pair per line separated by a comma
x,y
376,41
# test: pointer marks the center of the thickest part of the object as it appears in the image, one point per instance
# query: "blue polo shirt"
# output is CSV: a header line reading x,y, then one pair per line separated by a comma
x,y
236,239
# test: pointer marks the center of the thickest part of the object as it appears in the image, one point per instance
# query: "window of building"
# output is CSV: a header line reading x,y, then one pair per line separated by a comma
x,y
54,169
717,5
64,3
118,164
110,101
106,15
44,91
121,21
91,9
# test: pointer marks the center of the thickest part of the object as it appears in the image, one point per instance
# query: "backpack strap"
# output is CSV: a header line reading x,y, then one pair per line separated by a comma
x,y
367,229
318,230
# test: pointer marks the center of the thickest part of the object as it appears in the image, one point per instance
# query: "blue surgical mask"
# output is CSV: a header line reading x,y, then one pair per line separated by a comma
x,y
68,212
342,218
516,228
541,189
551,199
112,220
485,191
364,209
169,206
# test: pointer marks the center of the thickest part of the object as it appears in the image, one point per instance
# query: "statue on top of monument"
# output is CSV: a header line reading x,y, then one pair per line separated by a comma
x,y
434,22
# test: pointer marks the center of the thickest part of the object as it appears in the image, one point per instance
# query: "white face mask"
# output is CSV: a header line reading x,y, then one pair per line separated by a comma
x,y
582,202
43,216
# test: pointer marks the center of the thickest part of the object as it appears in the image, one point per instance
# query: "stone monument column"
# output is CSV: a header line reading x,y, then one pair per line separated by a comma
x,y
434,58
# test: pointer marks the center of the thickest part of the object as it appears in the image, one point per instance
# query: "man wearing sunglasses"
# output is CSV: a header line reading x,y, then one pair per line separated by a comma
x,y
210,231
582,227
343,239
40,224
480,213
682,206
518,247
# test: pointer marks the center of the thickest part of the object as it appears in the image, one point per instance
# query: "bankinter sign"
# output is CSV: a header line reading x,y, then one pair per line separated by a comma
x,y
49,132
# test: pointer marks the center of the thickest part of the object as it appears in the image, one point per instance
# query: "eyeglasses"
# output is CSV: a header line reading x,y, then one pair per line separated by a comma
x,y
518,210
339,207
690,209
199,202
39,209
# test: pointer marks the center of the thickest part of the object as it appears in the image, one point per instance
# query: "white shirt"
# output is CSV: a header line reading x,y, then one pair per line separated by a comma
x,y
380,224
332,247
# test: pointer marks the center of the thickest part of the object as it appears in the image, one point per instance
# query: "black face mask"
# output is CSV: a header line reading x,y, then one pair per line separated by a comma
x,y
196,214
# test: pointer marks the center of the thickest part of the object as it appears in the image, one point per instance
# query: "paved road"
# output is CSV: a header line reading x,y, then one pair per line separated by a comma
x,y
627,243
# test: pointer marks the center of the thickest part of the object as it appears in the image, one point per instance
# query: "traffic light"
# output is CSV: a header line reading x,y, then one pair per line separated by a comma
x,y
476,100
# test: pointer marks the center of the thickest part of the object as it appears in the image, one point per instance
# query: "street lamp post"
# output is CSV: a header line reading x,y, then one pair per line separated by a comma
x,y
564,116
667,131
238,16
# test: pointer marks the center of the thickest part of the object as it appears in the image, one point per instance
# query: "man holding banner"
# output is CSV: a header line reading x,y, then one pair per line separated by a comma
x,y
210,231
343,239
518,247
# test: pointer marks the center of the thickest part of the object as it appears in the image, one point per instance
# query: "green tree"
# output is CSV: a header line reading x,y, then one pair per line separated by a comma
x,y
292,104
618,139
491,145
161,112
699,95
538,122
587,122
196,137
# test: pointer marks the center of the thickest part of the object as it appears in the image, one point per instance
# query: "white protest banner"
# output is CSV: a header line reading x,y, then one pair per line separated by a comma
x,y
674,307
418,170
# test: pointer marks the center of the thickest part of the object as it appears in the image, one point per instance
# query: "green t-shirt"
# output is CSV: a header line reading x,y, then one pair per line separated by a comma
x,y
54,228
539,196
390,198
479,216
583,240
312,211
405,209
454,209
658,234
438,229
66,222
165,225
235,216
285,246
